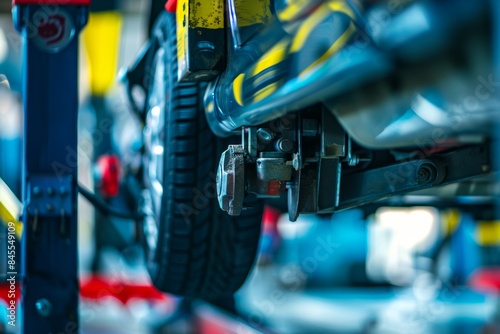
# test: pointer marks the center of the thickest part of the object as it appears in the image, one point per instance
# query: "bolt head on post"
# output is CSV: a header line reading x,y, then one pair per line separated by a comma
x,y
44,307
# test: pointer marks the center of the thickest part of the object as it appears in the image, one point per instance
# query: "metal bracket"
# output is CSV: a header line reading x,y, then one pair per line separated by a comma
x,y
332,136
333,146
49,196
368,186
249,143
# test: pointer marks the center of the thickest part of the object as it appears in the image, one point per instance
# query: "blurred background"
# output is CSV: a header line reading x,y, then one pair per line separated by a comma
x,y
404,266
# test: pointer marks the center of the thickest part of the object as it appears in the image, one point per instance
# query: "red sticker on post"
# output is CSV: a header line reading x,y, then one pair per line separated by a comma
x,y
171,6
53,30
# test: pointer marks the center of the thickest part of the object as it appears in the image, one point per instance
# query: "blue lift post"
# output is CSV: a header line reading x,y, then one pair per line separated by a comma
x,y
49,260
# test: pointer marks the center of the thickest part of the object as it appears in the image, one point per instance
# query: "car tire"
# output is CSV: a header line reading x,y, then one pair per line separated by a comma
x,y
193,248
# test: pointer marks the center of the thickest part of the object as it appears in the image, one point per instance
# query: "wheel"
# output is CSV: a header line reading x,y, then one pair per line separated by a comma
x,y
193,248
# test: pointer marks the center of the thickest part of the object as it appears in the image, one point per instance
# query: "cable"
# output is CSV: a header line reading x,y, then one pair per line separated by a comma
x,y
104,208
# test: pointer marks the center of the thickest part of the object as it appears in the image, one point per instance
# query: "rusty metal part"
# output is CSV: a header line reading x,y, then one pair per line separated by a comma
x,y
273,169
231,180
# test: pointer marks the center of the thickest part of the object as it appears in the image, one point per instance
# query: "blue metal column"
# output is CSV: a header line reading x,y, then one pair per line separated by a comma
x,y
50,97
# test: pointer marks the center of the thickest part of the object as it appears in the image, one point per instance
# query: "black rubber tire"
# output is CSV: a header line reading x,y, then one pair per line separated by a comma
x,y
201,252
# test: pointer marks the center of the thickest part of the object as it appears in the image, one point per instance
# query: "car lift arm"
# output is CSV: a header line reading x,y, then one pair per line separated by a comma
x,y
49,191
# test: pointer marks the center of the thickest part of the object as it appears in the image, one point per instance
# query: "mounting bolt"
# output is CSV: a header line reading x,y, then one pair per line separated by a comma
x,y
63,191
265,135
285,145
44,307
426,173
50,191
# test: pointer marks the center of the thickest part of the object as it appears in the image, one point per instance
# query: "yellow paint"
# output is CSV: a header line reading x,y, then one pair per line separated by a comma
x,y
263,77
336,46
276,54
488,233
292,10
101,37
252,12
10,208
308,26
280,51
265,92
271,58
206,13
182,33
450,221
238,88
341,6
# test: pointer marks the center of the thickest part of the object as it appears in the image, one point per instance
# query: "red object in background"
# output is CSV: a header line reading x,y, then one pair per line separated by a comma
x,y
108,175
270,240
5,291
96,288
486,280
171,6
52,2
270,219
